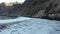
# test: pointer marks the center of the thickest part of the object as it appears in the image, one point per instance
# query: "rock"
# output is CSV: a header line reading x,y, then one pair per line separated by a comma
x,y
48,9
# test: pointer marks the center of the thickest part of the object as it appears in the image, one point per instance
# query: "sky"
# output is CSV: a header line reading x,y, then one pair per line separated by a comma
x,y
11,1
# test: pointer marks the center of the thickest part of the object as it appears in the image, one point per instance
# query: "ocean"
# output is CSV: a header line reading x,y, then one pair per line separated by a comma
x,y
26,25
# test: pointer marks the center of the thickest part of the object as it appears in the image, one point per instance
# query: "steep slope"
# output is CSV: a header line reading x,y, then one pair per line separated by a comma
x,y
42,8
48,9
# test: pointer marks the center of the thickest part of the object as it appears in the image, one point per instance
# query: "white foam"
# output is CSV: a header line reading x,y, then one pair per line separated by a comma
x,y
13,20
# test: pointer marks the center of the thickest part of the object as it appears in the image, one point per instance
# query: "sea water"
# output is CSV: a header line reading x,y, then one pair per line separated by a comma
x,y
25,25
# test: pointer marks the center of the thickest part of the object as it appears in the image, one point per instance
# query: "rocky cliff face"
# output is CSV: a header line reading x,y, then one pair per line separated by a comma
x,y
49,9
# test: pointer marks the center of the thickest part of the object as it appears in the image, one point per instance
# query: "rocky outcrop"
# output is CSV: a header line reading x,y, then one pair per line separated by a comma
x,y
49,9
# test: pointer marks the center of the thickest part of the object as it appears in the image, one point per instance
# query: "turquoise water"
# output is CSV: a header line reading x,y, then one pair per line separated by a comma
x,y
25,25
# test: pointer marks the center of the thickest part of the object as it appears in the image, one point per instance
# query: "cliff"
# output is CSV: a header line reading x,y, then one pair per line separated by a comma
x,y
49,9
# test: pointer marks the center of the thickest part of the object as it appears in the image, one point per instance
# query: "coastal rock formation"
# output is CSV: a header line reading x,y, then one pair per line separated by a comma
x,y
49,9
